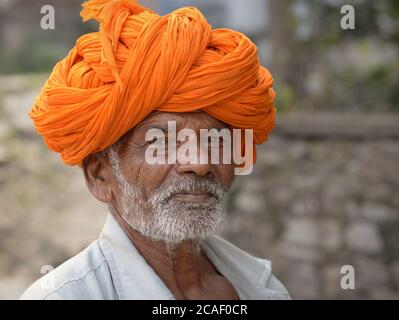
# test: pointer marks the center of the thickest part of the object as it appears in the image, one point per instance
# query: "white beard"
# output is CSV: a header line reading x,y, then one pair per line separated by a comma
x,y
161,218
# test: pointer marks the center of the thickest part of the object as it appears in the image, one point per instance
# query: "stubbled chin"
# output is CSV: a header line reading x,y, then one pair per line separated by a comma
x,y
179,204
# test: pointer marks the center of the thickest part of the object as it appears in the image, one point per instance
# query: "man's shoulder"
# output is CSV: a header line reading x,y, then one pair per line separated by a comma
x,y
257,270
84,276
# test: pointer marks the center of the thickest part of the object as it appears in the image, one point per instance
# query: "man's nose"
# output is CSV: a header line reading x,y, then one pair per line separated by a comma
x,y
195,166
199,169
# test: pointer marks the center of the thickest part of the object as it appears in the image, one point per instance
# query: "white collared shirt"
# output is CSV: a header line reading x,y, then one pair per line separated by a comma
x,y
112,268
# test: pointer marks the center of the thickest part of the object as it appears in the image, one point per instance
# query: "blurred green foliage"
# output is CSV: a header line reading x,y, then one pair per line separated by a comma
x,y
316,64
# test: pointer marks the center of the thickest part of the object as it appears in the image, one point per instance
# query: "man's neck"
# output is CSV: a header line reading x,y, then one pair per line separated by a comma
x,y
183,267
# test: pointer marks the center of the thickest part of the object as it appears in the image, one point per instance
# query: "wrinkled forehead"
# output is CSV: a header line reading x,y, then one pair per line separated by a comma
x,y
170,121
195,120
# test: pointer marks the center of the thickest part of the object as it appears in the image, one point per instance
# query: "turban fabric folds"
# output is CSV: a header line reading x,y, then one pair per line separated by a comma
x,y
139,62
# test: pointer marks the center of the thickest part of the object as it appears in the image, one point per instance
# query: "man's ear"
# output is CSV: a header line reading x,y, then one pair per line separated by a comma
x,y
98,176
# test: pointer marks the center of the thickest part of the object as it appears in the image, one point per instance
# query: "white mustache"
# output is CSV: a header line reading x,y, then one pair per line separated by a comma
x,y
188,185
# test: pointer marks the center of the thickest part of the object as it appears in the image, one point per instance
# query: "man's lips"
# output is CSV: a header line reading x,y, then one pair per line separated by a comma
x,y
192,196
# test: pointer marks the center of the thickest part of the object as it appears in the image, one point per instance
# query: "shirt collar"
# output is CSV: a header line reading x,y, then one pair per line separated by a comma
x,y
134,278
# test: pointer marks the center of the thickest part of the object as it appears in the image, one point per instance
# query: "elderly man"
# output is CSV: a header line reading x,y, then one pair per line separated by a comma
x,y
141,72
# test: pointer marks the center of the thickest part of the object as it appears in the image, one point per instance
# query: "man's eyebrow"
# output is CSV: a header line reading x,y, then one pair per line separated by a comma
x,y
164,127
218,128
149,126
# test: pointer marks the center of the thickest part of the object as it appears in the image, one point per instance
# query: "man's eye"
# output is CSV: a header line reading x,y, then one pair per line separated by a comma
x,y
151,141
218,140
157,140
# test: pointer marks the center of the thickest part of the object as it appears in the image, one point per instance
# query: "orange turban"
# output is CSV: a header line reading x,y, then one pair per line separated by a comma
x,y
139,62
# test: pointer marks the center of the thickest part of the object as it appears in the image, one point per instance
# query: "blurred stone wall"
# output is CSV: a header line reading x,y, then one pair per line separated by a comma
x,y
313,206
316,201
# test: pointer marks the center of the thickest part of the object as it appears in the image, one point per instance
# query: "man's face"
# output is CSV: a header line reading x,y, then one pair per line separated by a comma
x,y
169,202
